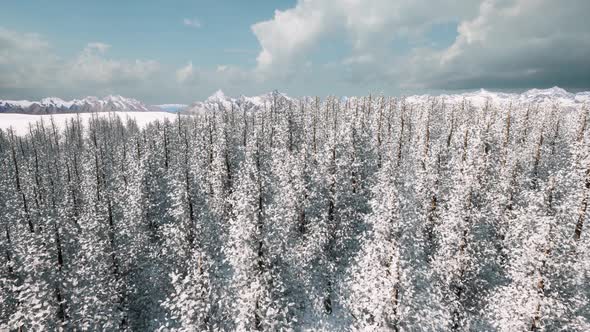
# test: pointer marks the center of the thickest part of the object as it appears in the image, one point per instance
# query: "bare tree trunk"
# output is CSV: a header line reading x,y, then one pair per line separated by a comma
x,y
537,161
459,288
506,137
188,189
426,151
451,130
166,157
259,231
401,135
8,247
61,313
379,134
18,185
536,320
583,208
331,220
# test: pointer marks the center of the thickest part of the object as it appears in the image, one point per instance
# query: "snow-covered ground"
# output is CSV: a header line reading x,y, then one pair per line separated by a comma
x,y
21,122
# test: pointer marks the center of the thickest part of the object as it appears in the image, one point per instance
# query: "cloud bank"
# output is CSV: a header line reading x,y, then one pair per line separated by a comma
x,y
498,43
390,46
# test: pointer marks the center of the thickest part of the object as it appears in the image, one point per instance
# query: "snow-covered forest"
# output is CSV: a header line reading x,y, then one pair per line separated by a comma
x,y
371,213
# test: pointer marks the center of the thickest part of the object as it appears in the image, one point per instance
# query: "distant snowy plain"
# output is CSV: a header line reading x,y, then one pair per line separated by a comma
x,y
21,123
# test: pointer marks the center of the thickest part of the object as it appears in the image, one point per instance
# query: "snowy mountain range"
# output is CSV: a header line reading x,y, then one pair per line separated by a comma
x,y
54,105
554,95
219,101
478,98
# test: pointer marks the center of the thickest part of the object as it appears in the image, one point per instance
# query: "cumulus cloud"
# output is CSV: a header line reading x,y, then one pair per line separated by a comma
x,y
25,59
517,43
12,40
499,43
93,66
289,34
30,67
368,26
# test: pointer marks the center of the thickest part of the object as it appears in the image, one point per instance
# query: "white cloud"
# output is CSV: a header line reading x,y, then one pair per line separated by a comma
x,y
25,59
368,26
23,41
92,66
29,64
29,68
192,22
507,43
186,74
288,34
234,75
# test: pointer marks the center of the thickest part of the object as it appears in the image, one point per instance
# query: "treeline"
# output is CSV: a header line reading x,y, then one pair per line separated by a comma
x,y
365,213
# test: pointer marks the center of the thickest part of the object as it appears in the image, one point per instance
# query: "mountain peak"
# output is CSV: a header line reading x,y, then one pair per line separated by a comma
x,y
52,101
554,91
218,95
275,93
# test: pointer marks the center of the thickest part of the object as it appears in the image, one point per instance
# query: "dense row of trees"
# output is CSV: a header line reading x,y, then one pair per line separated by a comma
x,y
364,213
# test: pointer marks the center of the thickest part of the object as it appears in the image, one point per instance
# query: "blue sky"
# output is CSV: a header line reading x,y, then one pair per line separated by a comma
x,y
181,51
147,28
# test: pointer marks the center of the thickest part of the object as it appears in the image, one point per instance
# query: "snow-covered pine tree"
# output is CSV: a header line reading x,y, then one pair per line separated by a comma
x,y
456,264
256,288
379,286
